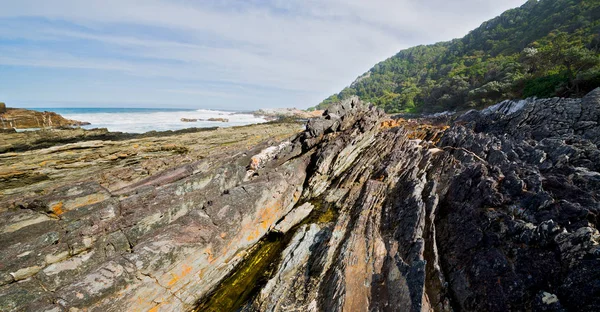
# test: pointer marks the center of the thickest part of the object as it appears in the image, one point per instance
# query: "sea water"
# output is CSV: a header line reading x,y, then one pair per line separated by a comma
x,y
139,120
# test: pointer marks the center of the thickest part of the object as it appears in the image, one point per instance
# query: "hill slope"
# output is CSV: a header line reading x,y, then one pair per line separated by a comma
x,y
543,48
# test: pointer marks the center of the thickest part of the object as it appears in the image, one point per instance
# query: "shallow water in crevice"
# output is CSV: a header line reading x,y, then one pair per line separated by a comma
x,y
247,278
242,285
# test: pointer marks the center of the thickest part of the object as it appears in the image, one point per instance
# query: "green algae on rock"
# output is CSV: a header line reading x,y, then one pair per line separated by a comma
x,y
248,277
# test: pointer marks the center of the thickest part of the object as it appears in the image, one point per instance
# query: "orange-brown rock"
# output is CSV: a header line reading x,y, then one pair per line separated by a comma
x,y
276,113
18,118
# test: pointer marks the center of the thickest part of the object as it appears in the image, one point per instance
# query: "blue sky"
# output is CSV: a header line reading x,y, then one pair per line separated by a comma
x,y
211,54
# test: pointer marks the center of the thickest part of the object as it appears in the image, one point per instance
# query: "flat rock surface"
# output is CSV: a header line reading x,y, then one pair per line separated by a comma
x,y
46,159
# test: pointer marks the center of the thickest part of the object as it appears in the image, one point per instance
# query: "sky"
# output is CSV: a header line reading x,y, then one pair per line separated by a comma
x,y
239,55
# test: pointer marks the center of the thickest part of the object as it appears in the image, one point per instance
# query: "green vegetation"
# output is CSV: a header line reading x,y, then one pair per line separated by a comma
x,y
544,48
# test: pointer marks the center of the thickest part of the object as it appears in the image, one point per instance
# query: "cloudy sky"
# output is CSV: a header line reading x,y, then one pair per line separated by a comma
x,y
226,54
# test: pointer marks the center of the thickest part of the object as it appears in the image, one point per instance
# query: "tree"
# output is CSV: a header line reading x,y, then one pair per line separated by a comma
x,y
543,48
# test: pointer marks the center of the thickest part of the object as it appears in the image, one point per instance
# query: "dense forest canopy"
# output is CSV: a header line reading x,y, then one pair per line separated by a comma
x,y
543,48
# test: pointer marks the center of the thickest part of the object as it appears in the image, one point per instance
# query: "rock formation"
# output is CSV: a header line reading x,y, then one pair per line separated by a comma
x,y
218,119
281,113
498,212
209,119
189,119
18,118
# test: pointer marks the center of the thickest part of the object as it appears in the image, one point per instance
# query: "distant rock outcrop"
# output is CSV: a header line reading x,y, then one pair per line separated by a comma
x,y
209,119
218,119
18,118
275,113
498,211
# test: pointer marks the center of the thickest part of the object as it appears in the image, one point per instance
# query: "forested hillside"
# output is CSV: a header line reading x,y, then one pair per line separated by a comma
x,y
543,48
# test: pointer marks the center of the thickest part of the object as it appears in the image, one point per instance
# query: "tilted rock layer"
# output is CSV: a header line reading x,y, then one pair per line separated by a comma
x,y
18,118
498,212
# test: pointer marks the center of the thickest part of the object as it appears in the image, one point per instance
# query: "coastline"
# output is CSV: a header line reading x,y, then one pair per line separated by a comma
x,y
210,213
20,118
142,120
128,120
32,162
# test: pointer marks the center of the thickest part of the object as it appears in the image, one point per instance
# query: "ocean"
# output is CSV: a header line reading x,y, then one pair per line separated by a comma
x,y
139,120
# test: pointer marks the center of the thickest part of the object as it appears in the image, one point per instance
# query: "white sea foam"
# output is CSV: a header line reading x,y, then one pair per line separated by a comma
x,y
139,122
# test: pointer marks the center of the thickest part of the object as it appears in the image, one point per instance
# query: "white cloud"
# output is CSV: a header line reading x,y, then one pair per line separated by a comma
x,y
315,47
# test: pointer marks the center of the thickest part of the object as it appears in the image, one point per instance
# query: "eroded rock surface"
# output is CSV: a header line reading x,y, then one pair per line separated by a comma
x,y
135,224
18,118
498,212
276,113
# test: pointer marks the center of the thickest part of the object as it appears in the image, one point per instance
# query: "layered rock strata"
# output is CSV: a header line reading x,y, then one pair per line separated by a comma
x,y
497,212
283,113
18,118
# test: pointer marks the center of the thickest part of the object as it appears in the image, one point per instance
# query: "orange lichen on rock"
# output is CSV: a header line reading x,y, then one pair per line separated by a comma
x,y
186,269
209,255
254,162
421,130
265,219
57,208
154,309
391,123
417,129
87,200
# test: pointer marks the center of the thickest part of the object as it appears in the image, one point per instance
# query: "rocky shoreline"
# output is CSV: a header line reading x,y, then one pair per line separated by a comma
x,y
19,118
209,119
287,113
493,210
